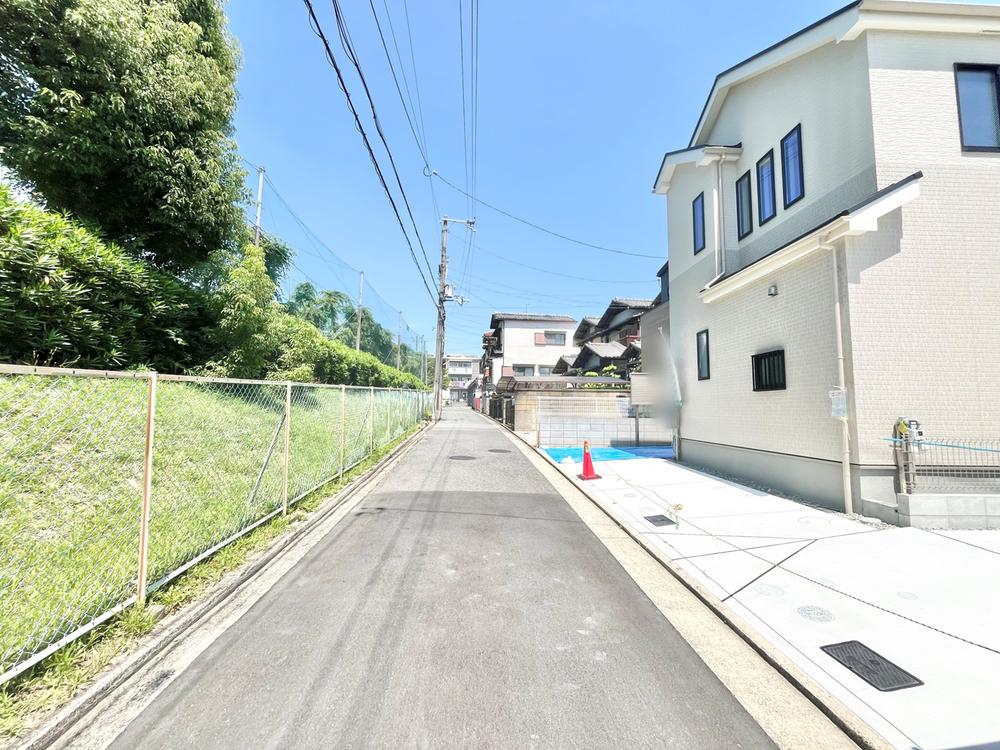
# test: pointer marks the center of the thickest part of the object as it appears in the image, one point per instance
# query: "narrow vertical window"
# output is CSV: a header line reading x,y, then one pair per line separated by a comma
x,y
766,208
698,222
744,206
792,175
978,107
703,368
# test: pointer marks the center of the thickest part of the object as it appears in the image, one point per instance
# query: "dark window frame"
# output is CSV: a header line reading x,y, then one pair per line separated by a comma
x,y
761,221
995,69
696,220
740,233
797,132
768,371
697,357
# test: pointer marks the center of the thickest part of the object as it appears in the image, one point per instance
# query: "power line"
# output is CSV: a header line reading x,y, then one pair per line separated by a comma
x,y
541,228
318,30
558,273
348,46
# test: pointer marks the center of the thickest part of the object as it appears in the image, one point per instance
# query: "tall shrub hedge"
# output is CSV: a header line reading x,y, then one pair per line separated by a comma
x,y
68,298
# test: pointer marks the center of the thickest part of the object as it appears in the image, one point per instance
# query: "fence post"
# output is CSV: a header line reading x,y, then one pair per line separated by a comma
x,y
401,420
343,423
388,414
288,434
147,490
371,419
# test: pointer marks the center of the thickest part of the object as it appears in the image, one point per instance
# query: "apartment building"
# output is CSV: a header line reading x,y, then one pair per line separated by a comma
x,y
525,344
834,242
461,370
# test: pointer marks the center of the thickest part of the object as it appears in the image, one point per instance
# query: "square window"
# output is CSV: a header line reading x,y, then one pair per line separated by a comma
x,y
698,222
524,371
544,371
978,107
744,206
769,371
766,207
792,174
703,368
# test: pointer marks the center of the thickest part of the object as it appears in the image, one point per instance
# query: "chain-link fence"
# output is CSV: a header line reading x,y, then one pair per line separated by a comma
x,y
959,466
113,483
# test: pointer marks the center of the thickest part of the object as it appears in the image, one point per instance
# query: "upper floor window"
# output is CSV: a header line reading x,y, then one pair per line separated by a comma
x,y
744,206
544,371
524,371
550,338
703,365
766,208
793,182
698,222
978,106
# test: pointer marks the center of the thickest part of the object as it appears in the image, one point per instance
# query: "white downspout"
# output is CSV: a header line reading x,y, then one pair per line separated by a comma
x,y
845,430
720,224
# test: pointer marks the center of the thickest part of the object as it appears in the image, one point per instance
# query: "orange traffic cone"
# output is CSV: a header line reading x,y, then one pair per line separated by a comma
x,y
588,463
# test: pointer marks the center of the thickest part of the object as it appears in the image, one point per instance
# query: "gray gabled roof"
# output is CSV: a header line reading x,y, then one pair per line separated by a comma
x,y
609,350
543,317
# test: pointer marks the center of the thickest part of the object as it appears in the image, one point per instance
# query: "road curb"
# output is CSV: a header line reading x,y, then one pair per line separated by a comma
x,y
174,626
841,716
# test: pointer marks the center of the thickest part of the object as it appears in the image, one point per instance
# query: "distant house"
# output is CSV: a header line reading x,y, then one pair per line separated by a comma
x,y
461,370
594,356
525,345
833,231
603,340
654,330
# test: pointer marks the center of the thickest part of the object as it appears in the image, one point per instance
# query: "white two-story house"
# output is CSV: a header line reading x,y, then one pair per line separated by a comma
x,y
461,369
834,243
526,344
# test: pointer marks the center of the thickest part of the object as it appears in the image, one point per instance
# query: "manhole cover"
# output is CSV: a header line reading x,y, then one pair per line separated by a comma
x,y
498,450
659,520
871,667
462,458
816,614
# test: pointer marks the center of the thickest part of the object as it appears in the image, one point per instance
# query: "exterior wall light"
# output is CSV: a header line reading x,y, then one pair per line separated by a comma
x,y
772,291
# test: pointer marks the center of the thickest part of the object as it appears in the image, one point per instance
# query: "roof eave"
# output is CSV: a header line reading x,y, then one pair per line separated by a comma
x,y
852,222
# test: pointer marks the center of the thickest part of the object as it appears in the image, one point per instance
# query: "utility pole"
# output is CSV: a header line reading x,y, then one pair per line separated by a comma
x,y
361,313
444,295
260,203
399,340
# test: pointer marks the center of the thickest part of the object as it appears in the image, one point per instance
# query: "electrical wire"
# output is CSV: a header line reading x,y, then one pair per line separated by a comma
x,y
348,46
504,259
318,30
544,229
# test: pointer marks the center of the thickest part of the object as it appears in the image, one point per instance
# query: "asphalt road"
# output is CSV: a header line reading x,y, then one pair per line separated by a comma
x,y
462,605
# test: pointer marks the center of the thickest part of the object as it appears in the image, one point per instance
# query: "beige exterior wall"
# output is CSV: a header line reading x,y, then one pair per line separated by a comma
x,y
826,91
655,350
838,159
925,290
725,409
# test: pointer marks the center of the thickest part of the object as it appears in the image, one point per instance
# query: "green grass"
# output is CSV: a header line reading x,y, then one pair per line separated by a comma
x,y
71,463
25,700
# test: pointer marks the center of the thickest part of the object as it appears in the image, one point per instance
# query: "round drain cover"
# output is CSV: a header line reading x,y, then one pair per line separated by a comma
x,y
462,458
767,589
498,450
816,614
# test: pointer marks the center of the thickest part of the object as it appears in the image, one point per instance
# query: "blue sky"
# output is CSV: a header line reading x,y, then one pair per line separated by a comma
x,y
577,103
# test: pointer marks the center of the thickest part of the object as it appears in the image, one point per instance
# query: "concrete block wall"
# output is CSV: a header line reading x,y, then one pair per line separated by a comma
x,y
933,511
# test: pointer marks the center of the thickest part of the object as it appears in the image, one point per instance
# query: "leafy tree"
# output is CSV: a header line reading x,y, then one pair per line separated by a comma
x,y
209,274
119,111
247,315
